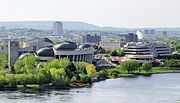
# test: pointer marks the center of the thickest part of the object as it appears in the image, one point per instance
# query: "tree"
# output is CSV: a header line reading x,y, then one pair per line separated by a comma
x,y
103,74
58,63
58,77
11,81
81,67
73,79
172,63
91,71
41,78
178,48
26,65
117,52
2,81
147,66
130,65
3,60
22,79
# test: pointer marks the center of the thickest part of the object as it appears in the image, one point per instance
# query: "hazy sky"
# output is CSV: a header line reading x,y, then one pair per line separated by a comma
x,y
121,13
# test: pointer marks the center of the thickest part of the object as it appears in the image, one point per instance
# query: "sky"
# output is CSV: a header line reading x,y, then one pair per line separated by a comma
x,y
116,13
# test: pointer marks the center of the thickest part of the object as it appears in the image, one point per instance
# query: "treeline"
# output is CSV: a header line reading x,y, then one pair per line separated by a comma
x,y
57,72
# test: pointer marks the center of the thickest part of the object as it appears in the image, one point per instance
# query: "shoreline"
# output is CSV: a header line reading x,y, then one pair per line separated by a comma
x,y
49,87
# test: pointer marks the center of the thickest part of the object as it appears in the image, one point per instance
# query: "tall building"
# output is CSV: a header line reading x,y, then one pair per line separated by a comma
x,y
58,28
91,39
131,37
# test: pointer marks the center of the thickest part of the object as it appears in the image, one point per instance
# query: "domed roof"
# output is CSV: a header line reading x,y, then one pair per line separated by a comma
x,y
65,45
24,55
86,45
40,39
45,52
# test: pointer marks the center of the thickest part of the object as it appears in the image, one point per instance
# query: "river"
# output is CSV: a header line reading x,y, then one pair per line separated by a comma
x,y
158,88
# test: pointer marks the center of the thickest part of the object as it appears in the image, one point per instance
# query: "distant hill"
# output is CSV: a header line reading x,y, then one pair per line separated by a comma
x,y
70,25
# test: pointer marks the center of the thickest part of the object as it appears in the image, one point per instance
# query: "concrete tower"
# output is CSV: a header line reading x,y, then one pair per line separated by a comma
x,y
13,52
58,28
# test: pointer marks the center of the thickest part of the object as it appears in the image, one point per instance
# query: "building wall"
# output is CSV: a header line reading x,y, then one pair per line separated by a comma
x,y
131,37
91,39
147,52
13,52
112,45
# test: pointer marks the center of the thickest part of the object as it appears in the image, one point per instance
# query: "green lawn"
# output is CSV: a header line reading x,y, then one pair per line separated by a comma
x,y
29,86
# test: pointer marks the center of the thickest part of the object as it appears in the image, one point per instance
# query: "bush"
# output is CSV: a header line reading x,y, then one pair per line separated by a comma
x,y
11,80
103,74
172,63
147,66
130,65
2,81
86,79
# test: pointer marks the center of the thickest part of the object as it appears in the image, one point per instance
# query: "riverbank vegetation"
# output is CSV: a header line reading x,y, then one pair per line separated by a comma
x,y
131,68
57,73
28,72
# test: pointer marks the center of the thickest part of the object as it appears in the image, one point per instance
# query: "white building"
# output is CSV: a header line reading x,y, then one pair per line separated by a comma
x,y
147,51
58,28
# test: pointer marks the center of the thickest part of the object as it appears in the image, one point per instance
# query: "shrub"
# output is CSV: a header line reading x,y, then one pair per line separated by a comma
x,y
147,66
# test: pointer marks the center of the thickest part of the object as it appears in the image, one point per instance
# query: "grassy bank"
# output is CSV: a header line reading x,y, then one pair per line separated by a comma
x,y
155,70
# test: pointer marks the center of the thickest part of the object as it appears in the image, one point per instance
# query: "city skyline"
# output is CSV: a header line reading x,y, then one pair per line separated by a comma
x,y
116,13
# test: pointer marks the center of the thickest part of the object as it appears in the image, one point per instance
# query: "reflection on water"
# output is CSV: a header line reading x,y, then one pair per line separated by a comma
x,y
161,88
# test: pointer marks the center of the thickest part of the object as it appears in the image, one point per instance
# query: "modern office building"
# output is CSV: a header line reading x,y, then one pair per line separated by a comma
x,y
94,39
58,28
147,51
131,37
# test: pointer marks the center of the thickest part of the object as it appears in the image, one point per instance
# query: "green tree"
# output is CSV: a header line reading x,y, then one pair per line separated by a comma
x,y
58,63
3,60
26,65
22,79
91,70
130,65
177,48
2,81
147,66
11,80
103,74
58,77
41,78
172,63
117,52
73,79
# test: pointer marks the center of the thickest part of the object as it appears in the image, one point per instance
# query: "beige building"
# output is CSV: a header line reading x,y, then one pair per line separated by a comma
x,y
147,51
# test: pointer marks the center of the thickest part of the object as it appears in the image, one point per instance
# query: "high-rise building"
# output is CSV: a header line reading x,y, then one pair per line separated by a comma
x,y
131,37
58,28
91,39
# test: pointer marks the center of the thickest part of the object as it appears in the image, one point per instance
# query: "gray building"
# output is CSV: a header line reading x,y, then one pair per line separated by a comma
x,y
13,52
131,37
94,39
58,28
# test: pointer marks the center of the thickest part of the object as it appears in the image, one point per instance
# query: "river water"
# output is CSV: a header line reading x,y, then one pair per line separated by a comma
x,y
159,88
